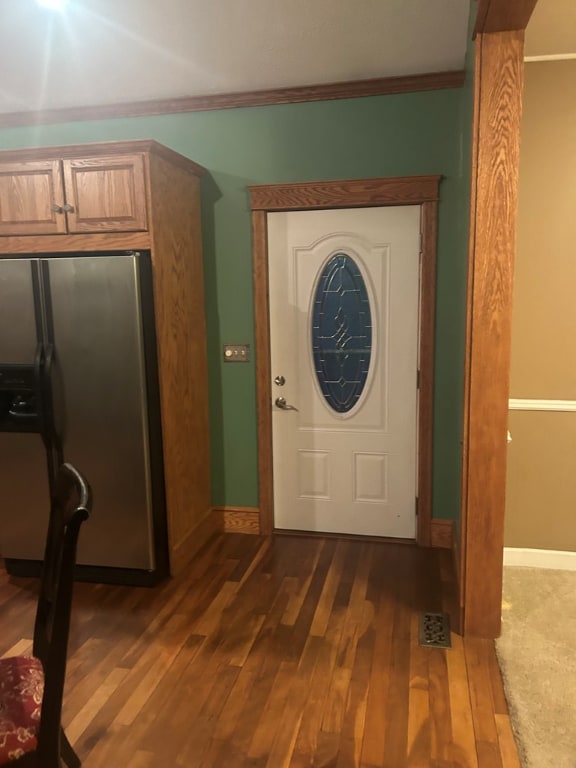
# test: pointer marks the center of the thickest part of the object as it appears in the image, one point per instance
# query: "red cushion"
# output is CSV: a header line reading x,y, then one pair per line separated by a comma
x,y
21,689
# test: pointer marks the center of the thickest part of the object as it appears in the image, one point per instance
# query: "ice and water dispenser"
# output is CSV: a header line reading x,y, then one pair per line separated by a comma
x,y
20,409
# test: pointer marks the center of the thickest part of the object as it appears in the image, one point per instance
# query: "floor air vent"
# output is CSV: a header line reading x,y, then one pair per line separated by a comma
x,y
435,630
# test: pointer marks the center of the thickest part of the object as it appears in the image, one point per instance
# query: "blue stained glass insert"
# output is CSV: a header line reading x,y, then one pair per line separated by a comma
x,y
341,332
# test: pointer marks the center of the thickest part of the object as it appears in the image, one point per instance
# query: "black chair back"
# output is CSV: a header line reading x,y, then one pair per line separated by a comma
x,y
31,688
71,505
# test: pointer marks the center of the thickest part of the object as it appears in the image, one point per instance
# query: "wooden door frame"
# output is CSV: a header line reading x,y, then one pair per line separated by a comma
x,y
498,81
355,193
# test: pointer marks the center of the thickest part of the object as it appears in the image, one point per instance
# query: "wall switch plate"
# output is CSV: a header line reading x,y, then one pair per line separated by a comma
x,y
236,353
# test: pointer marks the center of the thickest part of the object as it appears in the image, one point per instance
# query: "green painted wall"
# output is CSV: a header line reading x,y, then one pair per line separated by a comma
x,y
420,133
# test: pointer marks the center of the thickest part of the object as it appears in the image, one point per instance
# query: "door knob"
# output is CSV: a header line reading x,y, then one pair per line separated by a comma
x,y
283,405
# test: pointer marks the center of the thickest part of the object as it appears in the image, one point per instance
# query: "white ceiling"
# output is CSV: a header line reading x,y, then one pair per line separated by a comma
x,y
115,51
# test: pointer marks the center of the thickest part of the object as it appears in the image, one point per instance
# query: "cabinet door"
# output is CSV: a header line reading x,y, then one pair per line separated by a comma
x,y
31,198
105,194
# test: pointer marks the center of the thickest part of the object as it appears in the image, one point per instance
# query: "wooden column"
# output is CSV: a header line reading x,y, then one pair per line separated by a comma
x,y
497,110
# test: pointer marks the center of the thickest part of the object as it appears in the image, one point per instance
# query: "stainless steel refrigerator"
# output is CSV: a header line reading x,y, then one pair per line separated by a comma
x,y
78,382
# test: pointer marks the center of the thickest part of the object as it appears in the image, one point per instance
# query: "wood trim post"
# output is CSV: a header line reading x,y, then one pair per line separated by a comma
x,y
503,15
497,111
263,376
429,229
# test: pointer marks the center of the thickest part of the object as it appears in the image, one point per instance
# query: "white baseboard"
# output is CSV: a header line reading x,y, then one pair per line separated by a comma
x,y
540,558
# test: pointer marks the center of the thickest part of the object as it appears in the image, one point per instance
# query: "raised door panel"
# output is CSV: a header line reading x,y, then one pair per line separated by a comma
x,y
106,194
31,198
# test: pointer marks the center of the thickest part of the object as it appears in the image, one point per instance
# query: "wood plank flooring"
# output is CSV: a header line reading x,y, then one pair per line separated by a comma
x,y
275,653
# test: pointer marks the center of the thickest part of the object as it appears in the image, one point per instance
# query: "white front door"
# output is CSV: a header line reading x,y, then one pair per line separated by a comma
x,y
344,304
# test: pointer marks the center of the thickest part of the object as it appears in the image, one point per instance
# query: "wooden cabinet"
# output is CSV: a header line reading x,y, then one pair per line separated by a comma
x,y
133,196
68,195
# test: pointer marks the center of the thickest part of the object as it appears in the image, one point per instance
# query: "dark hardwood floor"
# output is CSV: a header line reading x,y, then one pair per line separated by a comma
x,y
278,653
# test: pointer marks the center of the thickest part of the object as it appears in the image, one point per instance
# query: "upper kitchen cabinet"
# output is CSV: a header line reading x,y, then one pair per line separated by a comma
x,y
73,195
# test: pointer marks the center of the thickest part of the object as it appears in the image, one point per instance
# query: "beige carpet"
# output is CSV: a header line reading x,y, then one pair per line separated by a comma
x,y
537,654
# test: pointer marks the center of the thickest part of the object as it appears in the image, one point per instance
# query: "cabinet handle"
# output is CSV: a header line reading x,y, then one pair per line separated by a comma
x,y
55,208
68,208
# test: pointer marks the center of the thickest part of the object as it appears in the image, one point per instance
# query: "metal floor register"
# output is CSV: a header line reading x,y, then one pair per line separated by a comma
x,y
434,630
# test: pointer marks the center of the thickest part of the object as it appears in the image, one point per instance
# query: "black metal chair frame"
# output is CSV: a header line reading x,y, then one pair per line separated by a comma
x,y
71,505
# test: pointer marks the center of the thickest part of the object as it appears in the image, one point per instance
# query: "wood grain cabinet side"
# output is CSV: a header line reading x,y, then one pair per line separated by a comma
x,y
76,195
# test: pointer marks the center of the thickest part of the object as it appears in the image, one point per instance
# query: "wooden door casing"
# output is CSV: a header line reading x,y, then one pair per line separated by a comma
x,y
350,193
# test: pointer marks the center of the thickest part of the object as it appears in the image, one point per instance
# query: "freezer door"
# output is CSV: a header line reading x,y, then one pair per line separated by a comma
x,y
18,336
24,496
100,400
24,493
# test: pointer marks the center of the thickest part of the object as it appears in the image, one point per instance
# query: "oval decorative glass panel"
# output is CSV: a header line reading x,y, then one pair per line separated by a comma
x,y
341,332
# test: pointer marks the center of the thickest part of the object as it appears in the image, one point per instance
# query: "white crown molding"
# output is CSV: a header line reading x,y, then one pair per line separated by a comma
x,y
540,558
518,404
